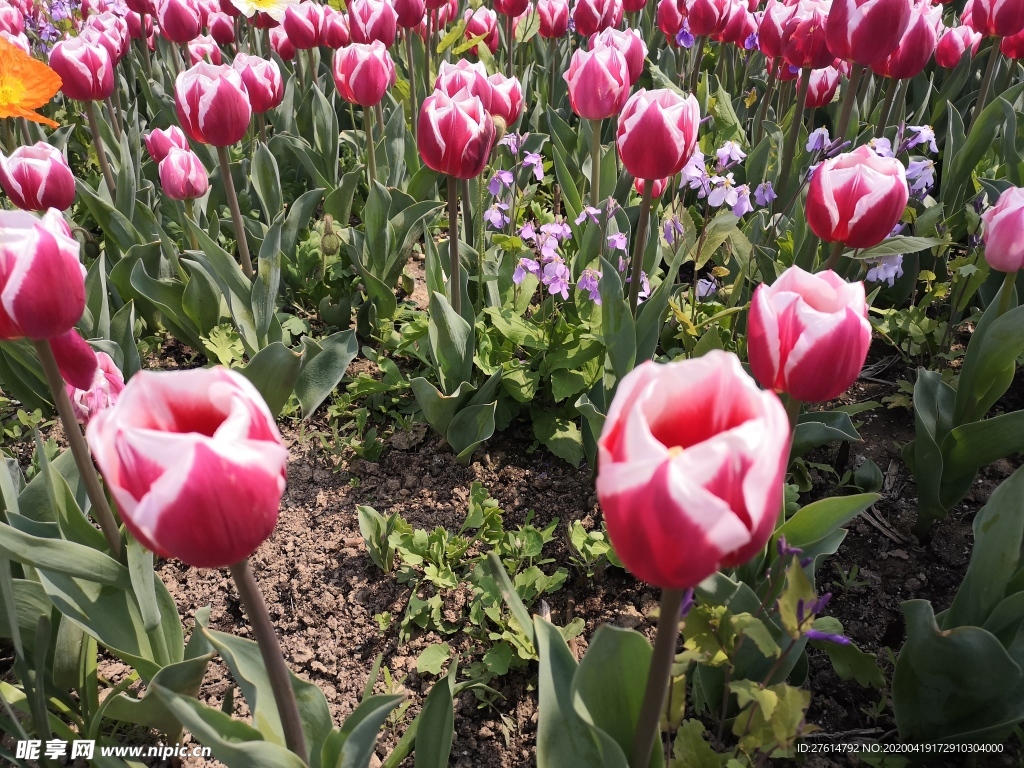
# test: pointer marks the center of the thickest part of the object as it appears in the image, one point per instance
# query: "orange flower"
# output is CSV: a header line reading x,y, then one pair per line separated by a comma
x,y
25,84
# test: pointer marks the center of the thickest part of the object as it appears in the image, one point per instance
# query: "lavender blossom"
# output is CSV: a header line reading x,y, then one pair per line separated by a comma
x,y
764,194
500,181
523,268
819,140
922,135
535,161
556,277
886,269
496,216
729,153
618,241
590,281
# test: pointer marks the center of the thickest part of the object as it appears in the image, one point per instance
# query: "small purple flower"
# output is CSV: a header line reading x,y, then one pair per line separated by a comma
x,y
729,153
672,229
819,140
886,269
706,287
724,191
548,245
645,284
500,181
558,229
784,550
535,161
687,604
742,205
685,38
527,233
922,174
618,242
588,212
922,135
590,281
826,637
764,194
523,268
695,174
496,216
881,147
556,277
751,42
512,141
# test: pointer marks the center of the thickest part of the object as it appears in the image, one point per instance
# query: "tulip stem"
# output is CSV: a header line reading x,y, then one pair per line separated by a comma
x,y
640,246
657,677
698,57
762,109
115,120
1006,293
510,42
101,155
789,150
833,256
454,265
792,409
79,449
371,150
595,163
551,70
312,73
236,212
986,82
261,126
146,60
413,96
849,99
887,100
190,216
270,648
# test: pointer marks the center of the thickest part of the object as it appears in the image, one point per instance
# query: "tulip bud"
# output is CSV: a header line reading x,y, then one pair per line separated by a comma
x,y
42,281
996,18
85,69
303,24
856,198
954,43
37,178
182,175
657,133
262,80
866,31
204,48
409,13
222,28
104,389
670,19
916,46
691,463
808,334
195,463
593,16
511,8
706,17
822,87
506,99
1003,223
629,43
228,7
142,7
330,242
179,19
11,20
803,35
110,31
370,20
75,359
598,82
633,6
657,190
452,78
482,21
1012,47
269,20
334,33
770,32
455,134
363,73
136,29
159,142
212,104
281,45
554,18
741,25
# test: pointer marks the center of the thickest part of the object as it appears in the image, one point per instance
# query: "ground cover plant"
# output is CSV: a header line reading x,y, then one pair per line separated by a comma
x,y
406,383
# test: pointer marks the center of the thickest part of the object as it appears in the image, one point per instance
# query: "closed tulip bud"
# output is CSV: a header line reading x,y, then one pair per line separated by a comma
x,y
866,31
691,463
996,18
822,87
42,281
204,48
110,31
629,43
1003,225
334,33
182,175
506,98
511,8
409,13
85,69
455,134
803,36
266,20
916,47
856,198
281,45
954,43
452,78
1012,47
657,133
206,9
363,73
303,24
593,16
159,142
633,6
195,463
212,104
670,19
11,20
142,7
104,389
808,334
137,28
482,21
37,178
179,19
771,36
370,20
554,18
740,26
222,28
598,82
75,359
228,7
706,17
657,190
262,80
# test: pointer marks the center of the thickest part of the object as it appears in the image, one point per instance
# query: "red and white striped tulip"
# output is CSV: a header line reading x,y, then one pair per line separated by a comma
x,y
179,20
856,198
916,46
671,15
598,82
262,80
452,78
506,98
554,18
370,20
808,334
822,87
303,23
204,48
953,43
85,69
707,16
1004,231
691,463
195,463
657,133
410,13
513,8
455,134
482,21
212,104
159,142
281,45
803,35
629,43
37,178
866,31
106,386
593,16
182,175
364,73
12,20
221,28
996,18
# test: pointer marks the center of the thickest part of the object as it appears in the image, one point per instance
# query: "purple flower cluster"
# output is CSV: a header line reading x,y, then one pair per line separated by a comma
x,y
550,270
